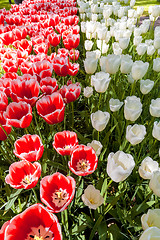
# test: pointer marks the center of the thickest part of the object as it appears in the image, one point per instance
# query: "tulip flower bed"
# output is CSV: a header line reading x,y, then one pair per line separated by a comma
x,y
79,121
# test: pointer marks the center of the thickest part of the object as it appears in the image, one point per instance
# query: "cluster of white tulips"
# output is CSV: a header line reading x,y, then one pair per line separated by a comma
x,y
122,66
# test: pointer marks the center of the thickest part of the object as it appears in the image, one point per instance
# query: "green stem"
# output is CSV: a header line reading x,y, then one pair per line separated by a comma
x,y
35,117
72,105
10,140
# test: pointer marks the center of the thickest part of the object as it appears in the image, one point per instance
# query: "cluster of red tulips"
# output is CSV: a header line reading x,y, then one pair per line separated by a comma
x,y
37,50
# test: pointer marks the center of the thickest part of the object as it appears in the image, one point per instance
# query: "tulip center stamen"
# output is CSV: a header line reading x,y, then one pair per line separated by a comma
x,y
60,197
83,165
91,201
40,233
68,147
26,180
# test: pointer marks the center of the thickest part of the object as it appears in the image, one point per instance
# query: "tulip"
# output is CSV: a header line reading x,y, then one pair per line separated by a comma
x,y
126,64
156,130
139,69
151,219
6,127
115,104
132,108
97,146
100,120
154,183
119,166
48,85
23,174
146,86
35,222
147,167
150,234
135,134
64,142
88,45
156,65
57,191
92,197
18,114
141,49
83,160
29,147
90,65
155,107
124,42
88,92
110,64
51,108
100,81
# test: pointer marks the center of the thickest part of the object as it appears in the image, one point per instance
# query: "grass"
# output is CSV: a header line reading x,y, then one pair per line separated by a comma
x,y
146,4
5,4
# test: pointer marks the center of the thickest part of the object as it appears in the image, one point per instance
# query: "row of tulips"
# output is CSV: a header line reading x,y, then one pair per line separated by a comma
x,y
122,63
38,44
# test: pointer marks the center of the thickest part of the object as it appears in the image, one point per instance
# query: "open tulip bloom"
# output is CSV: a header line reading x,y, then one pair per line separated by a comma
x,y
57,191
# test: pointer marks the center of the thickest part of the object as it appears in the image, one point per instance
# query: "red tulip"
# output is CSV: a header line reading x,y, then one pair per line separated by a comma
x,y
24,44
2,230
10,65
34,223
48,85
20,33
51,108
29,147
6,127
73,69
74,54
18,114
42,69
83,160
57,191
21,56
61,66
71,41
62,52
41,48
64,142
3,101
26,68
25,90
7,37
23,174
71,92
54,39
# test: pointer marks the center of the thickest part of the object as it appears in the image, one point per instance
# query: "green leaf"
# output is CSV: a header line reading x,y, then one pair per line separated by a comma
x,y
102,231
12,199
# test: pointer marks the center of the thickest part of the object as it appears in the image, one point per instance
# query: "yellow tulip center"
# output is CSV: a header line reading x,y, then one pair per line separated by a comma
x,y
83,165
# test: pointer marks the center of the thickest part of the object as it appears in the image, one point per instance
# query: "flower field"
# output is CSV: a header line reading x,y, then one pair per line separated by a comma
x,y
79,121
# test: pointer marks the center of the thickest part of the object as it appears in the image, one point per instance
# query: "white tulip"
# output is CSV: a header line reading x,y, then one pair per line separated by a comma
x,y
156,65
140,10
137,40
139,69
157,43
152,233
147,167
88,92
156,130
116,48
100,81
135,134
92,197
150,50
132,3
130,79
132,108
146,86
110,63
155,107
151,219
96,145
119,165
90,65
131,13
100,120
137,31
141,49
126,64
154,183
124,42
115,104
88,45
